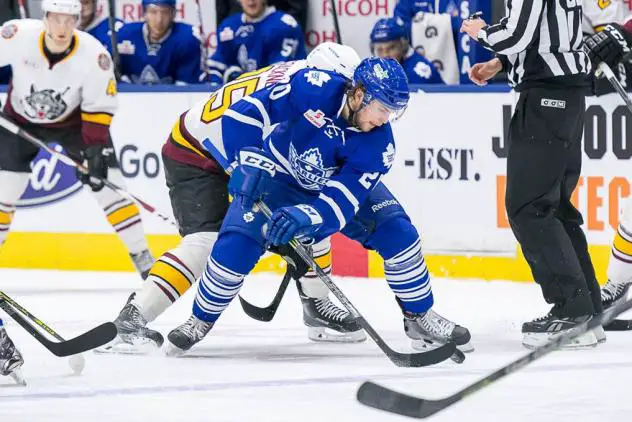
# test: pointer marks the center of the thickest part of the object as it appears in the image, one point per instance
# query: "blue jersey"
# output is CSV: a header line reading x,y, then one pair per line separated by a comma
x,y
5,75
468,52
246,46
100,29
420,70
317,151
176,58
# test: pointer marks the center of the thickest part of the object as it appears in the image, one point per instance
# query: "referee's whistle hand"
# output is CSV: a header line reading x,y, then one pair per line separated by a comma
x,y
480,73
472,26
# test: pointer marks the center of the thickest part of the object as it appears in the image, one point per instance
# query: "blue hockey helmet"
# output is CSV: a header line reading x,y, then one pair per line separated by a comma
x,y
388,29
170,3
383,80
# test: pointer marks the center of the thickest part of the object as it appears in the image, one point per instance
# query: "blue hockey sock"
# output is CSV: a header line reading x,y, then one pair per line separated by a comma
x,y
224,274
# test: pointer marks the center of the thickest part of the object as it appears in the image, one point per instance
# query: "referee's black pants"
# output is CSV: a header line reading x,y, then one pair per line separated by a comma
x,y
543,167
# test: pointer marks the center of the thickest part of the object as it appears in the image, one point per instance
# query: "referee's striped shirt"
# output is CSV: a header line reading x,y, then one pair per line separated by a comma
x,y
541,41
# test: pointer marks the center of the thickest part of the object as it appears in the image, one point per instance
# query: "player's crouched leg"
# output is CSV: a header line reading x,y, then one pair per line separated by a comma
x,y
383,225
409,278
219,284
324,320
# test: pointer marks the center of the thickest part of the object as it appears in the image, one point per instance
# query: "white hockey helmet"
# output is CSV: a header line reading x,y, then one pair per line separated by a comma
x,y
334,57
67,7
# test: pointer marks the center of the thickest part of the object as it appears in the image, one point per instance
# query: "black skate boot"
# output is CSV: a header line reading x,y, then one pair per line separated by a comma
x,y
143,262
11,359
133,335
539,331
187,335
327,322
429,330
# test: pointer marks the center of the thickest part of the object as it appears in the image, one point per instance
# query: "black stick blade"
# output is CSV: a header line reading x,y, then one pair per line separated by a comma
x,y
431,357
382,398
92,339
619,325
266,314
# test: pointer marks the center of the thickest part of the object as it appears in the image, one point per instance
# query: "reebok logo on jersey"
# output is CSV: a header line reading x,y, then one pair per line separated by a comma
x,y
547,102
317,118
383,204
317,78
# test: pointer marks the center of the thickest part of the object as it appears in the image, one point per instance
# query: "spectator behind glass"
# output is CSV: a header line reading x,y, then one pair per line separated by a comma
x,y
296,8
8,11
389,38
98,28
258,37
159,50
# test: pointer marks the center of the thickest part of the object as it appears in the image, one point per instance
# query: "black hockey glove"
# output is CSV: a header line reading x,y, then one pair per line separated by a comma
x,y
96,159
295,264
609,45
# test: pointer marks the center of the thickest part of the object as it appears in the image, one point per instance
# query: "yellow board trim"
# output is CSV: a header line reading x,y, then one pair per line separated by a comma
x,y
99,118
120,215
106,252
175,278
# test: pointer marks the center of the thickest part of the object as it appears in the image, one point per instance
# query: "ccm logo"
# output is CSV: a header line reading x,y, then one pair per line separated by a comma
x,y
258,161
546,102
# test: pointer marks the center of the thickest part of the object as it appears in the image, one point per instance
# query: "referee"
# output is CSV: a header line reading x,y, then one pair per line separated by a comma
x,y
539,44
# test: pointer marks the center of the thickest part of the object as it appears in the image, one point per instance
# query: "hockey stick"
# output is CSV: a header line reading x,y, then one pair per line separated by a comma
x,y
76,362
205,39
604,69
96,337
266,314
116,58
379,397
336,24
17,130
430,357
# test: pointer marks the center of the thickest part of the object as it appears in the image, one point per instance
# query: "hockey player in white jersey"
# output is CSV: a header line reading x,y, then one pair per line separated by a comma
x,y
199,197
63,90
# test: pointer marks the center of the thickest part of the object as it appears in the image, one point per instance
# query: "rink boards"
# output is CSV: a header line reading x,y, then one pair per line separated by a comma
x,y
449,174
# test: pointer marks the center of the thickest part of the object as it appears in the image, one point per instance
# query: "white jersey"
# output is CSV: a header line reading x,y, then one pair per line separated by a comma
x,y
80,87
599,13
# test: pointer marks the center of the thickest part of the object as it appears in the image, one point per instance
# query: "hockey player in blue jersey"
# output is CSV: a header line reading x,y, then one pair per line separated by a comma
x,y
320,171
258,37
389,38
98,28
159,50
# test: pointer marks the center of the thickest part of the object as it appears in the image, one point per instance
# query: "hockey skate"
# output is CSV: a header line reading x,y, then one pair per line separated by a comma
x,y
11,359
143,262
187,335
539,331
133,335
613,292
430,330
328,323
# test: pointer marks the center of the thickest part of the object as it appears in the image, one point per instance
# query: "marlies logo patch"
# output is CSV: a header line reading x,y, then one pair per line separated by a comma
x,y
547,102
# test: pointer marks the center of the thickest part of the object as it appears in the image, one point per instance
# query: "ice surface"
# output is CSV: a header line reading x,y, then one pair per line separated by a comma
x,y
252,371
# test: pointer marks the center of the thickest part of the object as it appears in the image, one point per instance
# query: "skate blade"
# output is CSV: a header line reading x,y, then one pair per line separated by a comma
x,y
173,351
17,377
122,347
585,341
327,335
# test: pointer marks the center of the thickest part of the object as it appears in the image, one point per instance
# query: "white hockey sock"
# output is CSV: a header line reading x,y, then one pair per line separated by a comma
x,y
12,185
174,273
311,284
122,214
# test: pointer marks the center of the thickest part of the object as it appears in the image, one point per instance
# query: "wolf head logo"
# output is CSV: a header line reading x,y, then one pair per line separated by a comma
x,y
46,104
